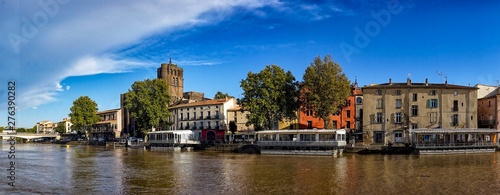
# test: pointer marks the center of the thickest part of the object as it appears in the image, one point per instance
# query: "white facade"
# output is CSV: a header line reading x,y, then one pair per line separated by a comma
x,y
208,114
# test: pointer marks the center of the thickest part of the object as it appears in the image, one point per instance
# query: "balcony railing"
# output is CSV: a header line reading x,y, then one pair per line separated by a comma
x,y
487,122
455,109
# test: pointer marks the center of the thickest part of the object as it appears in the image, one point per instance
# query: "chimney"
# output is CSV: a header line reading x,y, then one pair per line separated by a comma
x,y
408,81
426,82
390,81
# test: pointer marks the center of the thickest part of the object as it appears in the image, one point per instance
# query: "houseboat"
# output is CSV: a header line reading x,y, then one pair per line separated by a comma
x,y
448,141
303,142
174,139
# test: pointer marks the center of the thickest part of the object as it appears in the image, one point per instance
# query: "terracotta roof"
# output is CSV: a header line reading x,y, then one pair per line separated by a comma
x,y
201,103
107,111
237,108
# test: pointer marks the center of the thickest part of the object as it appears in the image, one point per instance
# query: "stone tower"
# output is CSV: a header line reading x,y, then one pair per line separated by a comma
x,y
174,76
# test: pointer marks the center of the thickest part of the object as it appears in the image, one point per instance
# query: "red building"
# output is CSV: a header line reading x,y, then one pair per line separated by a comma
x,y
345,118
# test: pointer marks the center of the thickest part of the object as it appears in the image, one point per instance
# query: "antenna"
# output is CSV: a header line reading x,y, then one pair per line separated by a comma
x,y
441,74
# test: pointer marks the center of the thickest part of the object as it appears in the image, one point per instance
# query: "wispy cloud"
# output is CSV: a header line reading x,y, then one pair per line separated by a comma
x,y
76,38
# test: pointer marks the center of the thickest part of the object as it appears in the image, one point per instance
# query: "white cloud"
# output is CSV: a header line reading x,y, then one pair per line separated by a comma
x,y
67,87
78,37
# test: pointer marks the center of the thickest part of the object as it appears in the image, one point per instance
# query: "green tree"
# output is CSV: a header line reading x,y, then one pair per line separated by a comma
x,y
147,102
220,95
270,96
61,127
1,129
83,113
325,88
232,127
34,129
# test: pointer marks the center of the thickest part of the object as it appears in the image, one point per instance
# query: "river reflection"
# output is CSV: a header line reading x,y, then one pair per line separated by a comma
x,y
56,169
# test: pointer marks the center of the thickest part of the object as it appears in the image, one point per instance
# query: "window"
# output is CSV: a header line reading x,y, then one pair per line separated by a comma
x,y
379,103
194,115
201,114
348,124
379,92
359,100
309,124
379,117
398,103
201,125
398,136
181,126
216,114
455,105
432,103
194,125
433,117
489,103
334,124
217,124
432,92
182,116
348,103
187,116
348,113
415,97
414,110
414,126
398,117
398,92
455,120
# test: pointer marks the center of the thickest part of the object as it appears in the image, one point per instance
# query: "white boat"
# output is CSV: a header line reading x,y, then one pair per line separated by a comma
x,y
172,139
303,142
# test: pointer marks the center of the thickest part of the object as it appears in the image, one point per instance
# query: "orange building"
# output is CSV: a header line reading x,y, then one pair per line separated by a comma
x,y
347,117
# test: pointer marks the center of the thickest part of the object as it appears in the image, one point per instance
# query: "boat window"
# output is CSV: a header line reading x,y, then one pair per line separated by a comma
x,y
327,137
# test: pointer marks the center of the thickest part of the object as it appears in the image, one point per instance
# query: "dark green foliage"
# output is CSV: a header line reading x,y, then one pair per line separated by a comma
x,y
220,95
147,102
83,113
270,96
325,88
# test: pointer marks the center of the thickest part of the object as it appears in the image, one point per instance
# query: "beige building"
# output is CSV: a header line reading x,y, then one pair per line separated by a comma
x,y
46,126
488,106
174,76
392,110
108,127
67,125
206,114
239,116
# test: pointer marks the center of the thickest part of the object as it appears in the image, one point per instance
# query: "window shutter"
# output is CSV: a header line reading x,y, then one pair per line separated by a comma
x,y
429,103
437,103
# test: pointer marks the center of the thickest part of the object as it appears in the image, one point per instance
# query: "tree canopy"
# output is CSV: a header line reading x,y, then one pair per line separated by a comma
x,y
147,102
325,88
83,113
270,96
61,127
220,95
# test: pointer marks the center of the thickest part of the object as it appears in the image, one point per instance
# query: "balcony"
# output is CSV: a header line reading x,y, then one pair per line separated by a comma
x,y
486,122
455,109
208,117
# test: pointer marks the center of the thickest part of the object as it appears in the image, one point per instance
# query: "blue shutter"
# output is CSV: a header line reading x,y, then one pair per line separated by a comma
x,y
429,103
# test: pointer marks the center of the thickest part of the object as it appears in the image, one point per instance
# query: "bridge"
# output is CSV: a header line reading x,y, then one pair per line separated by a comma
x,y
28,136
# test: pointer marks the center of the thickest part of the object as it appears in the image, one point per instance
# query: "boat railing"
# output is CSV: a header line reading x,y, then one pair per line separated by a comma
x,y
454,145
301,143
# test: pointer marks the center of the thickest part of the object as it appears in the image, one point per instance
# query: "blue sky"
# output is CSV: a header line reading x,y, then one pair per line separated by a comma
x,y
58,50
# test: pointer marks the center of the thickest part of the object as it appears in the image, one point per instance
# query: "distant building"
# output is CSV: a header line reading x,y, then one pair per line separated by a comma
x,y
289,123
202,115
488,108
67,125
108,127
174,77
46,127
392,110
194,96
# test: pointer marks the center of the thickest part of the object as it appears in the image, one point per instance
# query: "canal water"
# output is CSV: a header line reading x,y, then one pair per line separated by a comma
x,y
61,169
